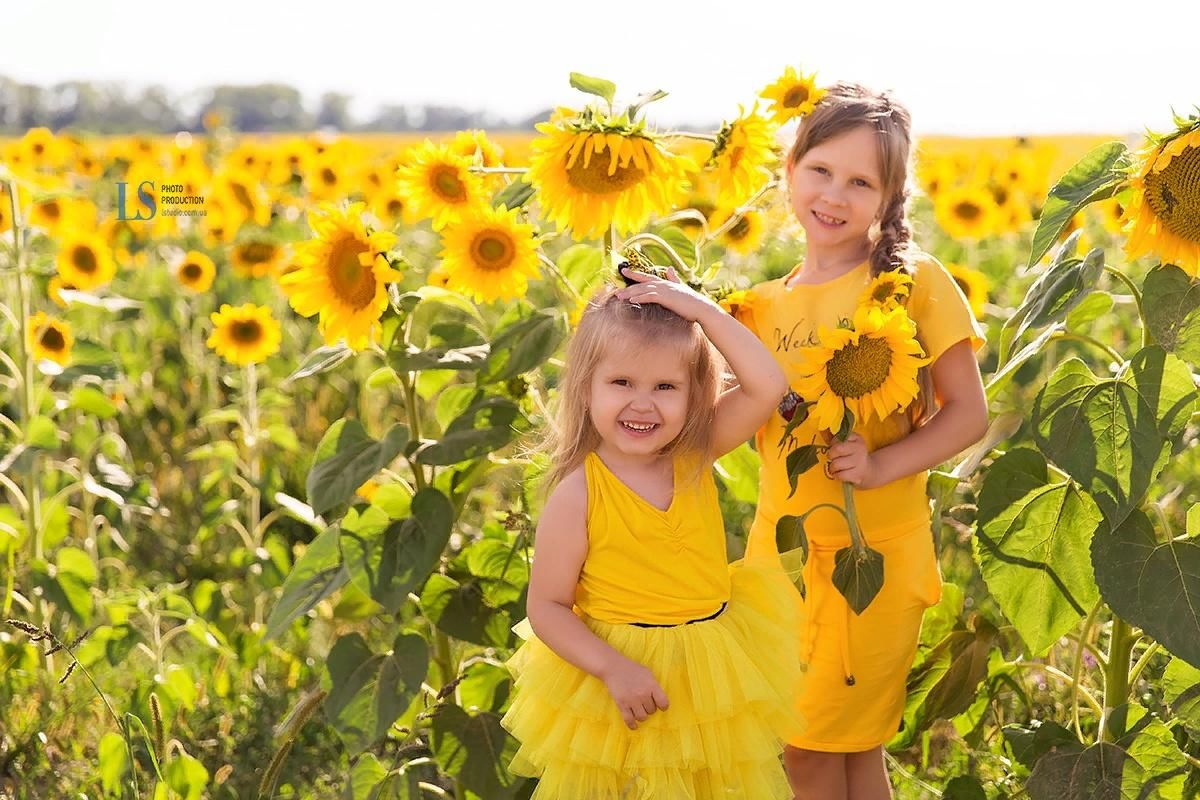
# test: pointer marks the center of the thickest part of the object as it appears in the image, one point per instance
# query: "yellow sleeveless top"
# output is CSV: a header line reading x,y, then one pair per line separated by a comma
x,y
648,565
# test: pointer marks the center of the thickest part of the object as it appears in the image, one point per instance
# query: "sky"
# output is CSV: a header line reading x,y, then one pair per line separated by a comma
x,y
1005,68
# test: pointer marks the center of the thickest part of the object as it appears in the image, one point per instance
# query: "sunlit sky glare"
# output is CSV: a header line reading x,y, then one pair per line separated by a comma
x,y
1002,68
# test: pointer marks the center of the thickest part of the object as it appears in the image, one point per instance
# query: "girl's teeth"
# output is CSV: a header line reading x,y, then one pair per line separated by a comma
x,y
826,219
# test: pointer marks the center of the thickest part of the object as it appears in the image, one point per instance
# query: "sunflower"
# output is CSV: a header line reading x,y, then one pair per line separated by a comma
x,y
743,157
733,301
367,490
475,144
490,256
974,285
591,172
49,338
241,198
870,369
325,181
746,234
55,288
60,212
245,334
1164,207
966,212
888,290
196,271
342,275
85,260
702,205
256,258
5,211
438,183
793,95
42,150
1112,215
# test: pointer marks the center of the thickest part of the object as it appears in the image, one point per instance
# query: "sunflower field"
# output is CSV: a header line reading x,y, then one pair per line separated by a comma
x,y
267,408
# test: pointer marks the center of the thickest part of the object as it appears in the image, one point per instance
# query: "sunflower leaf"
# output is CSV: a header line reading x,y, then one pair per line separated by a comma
x,y
1171,300
858,575
800,461
644,99
515,195
320,360
1096,176
596,86
1060,289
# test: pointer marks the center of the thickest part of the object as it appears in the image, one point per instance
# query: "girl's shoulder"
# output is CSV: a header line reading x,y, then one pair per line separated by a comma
x,y
570,495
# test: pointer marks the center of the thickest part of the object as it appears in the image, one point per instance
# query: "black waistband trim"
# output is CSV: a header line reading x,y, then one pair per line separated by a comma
x,y
713,615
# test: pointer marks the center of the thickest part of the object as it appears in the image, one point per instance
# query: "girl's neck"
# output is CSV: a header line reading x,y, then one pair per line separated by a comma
x,y
615,459
824,265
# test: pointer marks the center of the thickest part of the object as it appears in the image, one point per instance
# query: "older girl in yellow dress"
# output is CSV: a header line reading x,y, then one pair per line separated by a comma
x,y
847,175
654,670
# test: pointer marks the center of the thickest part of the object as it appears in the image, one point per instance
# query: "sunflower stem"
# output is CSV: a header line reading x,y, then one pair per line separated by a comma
x,y
499,170
1078,665
1083,337
658,241
856,537
414,423
1116,673
559,277
702,137
1137,297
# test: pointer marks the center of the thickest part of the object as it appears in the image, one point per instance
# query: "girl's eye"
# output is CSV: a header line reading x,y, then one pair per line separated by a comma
x,y
861,182
821,170
621,381
666,386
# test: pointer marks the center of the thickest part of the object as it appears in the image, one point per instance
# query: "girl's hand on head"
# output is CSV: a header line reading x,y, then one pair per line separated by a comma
x,y
672,294
635,691
851,461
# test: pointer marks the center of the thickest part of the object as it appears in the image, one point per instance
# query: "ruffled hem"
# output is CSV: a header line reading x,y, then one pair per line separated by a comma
x,y
731,683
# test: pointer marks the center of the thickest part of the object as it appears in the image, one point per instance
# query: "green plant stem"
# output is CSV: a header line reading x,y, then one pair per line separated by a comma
x,y
1080,337
1137,297
1078,665
856,537
558,276
1088,697
1141,663
414,423
253,461
1116,673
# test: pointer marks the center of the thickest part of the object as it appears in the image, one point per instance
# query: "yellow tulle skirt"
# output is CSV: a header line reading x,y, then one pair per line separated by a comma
x,y
730,682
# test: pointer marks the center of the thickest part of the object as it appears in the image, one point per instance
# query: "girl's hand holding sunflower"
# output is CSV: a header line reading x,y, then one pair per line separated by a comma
x,y
851,461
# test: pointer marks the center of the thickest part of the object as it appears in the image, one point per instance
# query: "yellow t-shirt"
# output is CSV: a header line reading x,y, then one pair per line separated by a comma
x,y
787,319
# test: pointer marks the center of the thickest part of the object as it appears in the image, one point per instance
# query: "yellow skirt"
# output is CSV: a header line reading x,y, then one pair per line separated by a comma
x,y
729,682
857,666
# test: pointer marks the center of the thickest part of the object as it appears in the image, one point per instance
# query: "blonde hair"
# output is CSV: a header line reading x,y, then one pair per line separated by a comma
x,y
607,320
845,107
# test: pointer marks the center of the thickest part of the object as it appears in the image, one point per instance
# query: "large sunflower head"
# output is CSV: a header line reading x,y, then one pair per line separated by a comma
x,y
793,95
245,334
592,171
49,338
743,157
256,258
966,212
1164,207
438,183
196,271
85,260
887,290
342,274
490,256
868,370
974,285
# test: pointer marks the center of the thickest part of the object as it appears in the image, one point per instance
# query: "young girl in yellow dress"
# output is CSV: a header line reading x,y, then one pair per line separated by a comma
x,y
655,670
847,175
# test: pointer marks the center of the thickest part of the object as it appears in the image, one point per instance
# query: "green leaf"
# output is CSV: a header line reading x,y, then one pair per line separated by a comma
x,y
461,610
1041,736
1096,176
365,775
91,400
369,691
390,560
1165,384
643,100
68,582
346,458
515,195
456,358
858,575
485,687
738,471
486,426
525,345
1171,303
1011,477
800,461
964,787
502,568
596,86
114,760
678,241
1034,557
475,749
1151,584
582,265
1181,690
1102,433
1091,308
323,359
42,433
1193,521
186,776
1066,285
1005,375
318,574
446,316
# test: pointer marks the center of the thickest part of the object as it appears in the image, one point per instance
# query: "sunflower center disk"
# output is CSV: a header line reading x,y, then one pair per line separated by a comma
x,y
246,331
447,184
192,272
52,339
1174,194
242,195
593,177
857,370
257,252
795,96
84,260
740,229
353,283
884,292
968,211
492,251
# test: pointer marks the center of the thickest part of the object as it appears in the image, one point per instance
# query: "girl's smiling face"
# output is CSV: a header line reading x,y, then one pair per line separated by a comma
x,y
836,189
639,397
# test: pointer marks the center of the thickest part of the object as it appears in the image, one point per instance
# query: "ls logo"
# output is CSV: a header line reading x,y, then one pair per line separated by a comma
x,y
143,196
